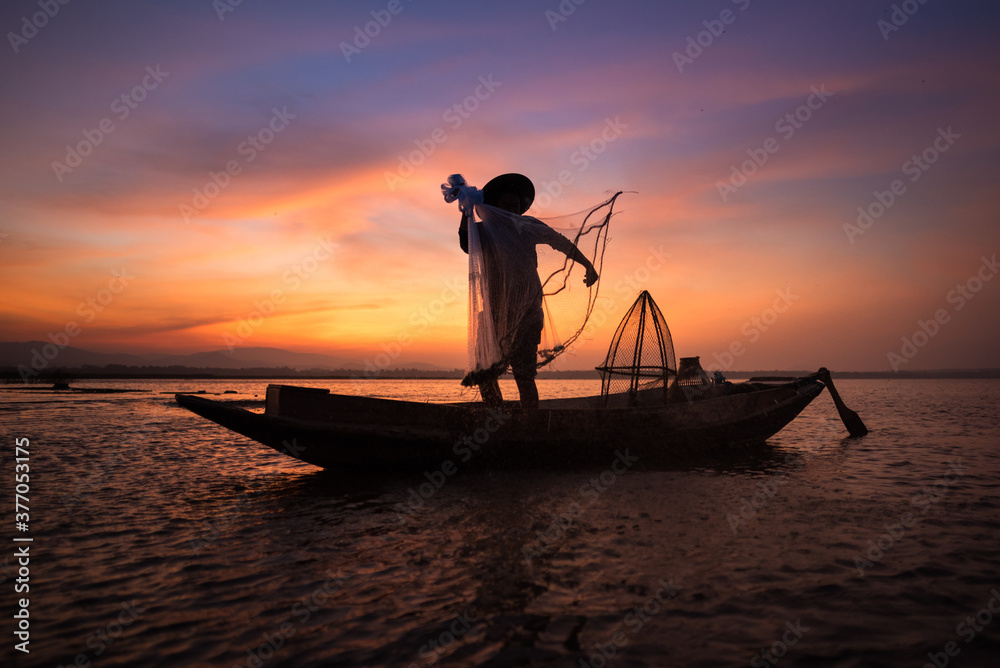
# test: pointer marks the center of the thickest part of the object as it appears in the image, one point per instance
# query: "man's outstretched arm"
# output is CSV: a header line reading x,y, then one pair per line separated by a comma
x,y
557,241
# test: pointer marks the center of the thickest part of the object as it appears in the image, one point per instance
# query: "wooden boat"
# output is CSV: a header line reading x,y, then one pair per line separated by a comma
x,y
354,433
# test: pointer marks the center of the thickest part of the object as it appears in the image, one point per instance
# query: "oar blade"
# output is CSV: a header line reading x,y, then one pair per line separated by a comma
x,y
855,425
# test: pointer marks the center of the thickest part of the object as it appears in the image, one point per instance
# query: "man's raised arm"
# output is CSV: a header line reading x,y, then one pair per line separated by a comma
x,y
557,241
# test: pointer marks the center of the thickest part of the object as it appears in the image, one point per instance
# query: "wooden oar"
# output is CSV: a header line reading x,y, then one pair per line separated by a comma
x,y
851,419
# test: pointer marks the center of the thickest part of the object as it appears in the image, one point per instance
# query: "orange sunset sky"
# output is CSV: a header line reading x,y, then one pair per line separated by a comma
x,y
750,132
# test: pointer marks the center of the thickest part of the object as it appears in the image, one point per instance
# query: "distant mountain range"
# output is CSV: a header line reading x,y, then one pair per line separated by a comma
x,y
247,362
15,354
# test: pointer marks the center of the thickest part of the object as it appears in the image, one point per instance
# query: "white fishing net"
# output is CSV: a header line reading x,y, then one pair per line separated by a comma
x,y
532,283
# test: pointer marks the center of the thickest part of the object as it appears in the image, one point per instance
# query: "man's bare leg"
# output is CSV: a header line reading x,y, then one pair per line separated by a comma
x,y
490,391
527,390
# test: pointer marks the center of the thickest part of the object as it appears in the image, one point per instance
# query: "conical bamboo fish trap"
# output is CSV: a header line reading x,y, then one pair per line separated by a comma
x,y
641,356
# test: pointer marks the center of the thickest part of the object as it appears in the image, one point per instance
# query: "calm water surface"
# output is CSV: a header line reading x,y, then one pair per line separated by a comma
x,y
161,539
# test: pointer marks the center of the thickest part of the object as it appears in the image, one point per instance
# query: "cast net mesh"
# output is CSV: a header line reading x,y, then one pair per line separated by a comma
x,y
529,299
641,355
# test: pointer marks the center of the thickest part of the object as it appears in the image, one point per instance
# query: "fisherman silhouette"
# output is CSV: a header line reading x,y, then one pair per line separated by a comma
x,y
510,286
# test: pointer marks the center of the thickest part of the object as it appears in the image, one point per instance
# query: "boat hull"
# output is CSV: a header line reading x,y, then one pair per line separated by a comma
x,y
353,433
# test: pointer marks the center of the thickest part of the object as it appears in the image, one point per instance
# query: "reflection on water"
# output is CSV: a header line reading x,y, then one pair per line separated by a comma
x,y
162,539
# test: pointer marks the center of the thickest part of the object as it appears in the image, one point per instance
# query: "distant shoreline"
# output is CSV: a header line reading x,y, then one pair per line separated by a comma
x,y
10,375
